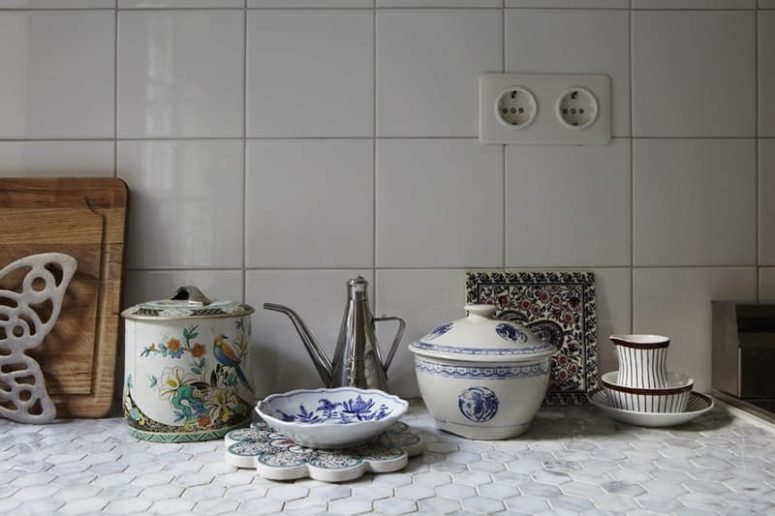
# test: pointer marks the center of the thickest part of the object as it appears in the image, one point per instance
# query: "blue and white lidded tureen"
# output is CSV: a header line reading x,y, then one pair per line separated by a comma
x,y
482,378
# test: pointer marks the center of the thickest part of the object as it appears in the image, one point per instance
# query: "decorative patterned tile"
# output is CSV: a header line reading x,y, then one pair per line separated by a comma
x,y
535,299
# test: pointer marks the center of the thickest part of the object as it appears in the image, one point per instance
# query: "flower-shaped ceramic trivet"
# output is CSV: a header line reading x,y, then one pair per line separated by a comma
x,y
278,458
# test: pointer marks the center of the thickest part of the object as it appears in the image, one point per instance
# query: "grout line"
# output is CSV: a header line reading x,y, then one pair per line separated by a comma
x,y
756,151
270,138
374,157
504,180
115,92
632,181
434,267
177,269
384,8
244,148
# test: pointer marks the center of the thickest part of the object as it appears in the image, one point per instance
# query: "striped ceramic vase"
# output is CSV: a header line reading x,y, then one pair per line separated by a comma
x,y
642,360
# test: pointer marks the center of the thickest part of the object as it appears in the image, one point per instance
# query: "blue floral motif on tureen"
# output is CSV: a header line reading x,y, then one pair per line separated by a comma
x,y
342,412
441,330
510,332
479,404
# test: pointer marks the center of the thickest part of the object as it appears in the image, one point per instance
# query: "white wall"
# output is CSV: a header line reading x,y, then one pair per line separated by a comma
x,y
274,153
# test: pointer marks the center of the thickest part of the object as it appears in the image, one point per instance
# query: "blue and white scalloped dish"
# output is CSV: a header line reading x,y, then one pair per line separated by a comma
x,y
331,418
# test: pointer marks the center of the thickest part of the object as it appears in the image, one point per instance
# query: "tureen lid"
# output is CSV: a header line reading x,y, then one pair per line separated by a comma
x,y
480,338
187,303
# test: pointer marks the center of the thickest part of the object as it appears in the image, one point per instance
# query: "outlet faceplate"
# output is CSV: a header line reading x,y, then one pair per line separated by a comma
x,y
571,109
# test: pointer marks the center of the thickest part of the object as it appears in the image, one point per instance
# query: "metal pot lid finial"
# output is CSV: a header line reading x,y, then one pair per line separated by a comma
x,y
188,302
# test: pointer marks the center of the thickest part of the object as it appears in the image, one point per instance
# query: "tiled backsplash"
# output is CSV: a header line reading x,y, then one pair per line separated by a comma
x,y
275,149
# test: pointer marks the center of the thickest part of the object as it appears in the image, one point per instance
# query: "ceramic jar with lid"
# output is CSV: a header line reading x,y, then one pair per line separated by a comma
x,y
186,367
482,378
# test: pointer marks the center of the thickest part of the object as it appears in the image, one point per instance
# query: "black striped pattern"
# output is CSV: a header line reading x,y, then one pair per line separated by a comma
x,y
642,368
670,403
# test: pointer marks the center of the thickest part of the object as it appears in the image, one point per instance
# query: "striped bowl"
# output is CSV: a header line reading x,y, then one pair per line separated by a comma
x,y
642,360
671,399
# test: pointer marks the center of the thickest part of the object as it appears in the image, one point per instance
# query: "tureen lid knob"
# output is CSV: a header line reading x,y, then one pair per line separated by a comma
x,y
474,311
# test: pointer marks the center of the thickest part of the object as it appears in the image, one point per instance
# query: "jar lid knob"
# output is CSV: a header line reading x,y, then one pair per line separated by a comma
x,y
486,311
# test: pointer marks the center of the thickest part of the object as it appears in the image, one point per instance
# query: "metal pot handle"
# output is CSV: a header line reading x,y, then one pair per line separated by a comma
x,y
396,340
192,294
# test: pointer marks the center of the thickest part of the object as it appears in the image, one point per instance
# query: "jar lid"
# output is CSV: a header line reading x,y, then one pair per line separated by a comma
x,y
480,338
187,303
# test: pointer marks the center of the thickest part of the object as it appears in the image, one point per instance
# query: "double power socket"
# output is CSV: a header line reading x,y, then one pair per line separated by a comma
x,y
571,109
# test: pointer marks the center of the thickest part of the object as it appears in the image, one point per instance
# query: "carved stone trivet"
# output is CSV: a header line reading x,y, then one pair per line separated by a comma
x,y
278,458
27,315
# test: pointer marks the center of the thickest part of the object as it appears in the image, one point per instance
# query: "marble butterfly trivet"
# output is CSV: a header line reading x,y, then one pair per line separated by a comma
x,y
278,458
23,326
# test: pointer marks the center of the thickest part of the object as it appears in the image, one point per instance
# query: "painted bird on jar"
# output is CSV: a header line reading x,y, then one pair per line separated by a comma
x,y
225,355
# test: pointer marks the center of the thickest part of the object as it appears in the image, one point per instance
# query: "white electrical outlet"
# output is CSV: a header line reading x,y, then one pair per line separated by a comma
x,y
545,108
577,108
516,107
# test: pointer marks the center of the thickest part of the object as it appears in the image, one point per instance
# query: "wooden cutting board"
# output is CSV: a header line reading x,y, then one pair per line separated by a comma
x,y
85,218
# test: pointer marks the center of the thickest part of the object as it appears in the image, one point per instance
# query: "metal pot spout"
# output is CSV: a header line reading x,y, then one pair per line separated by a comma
x,y
318,356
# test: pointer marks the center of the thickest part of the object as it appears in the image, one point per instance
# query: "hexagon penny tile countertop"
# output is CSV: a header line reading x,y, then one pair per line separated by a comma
x,y
572,460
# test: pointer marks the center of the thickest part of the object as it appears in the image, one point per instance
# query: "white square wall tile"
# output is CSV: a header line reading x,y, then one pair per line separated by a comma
x,y
57,74
57,4
766,73
677,303
56,159
428,64
574,41
183,215
311,203
767,284
310,4
694,202
693,73
425,299
172,4
310,73
571,4
694,4
439,204
568,205
281,360
767,202
142,286
439,3
180,74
